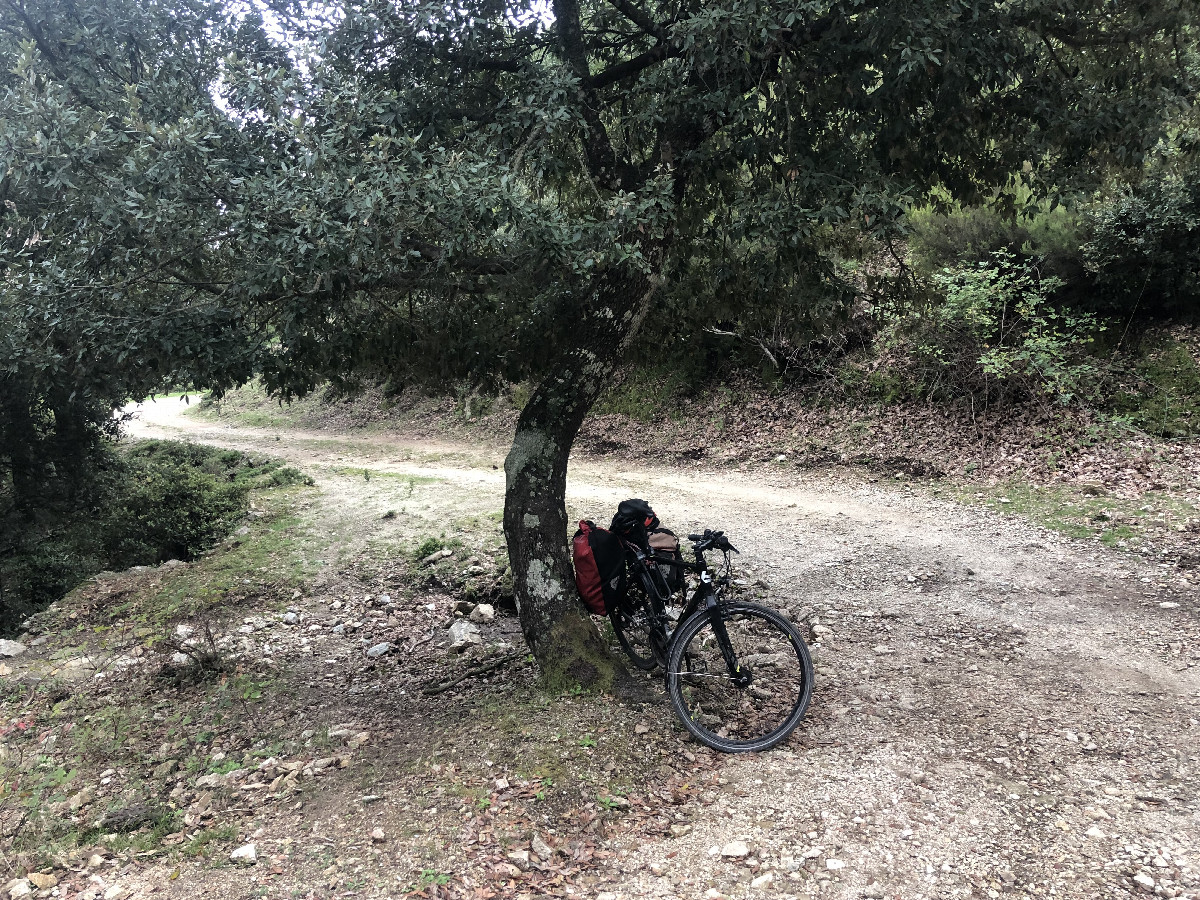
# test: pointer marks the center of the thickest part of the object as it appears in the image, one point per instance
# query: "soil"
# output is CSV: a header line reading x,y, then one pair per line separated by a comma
x,y
999,710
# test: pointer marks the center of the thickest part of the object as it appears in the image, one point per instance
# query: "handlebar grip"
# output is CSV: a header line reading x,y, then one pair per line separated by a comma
x,y
695,537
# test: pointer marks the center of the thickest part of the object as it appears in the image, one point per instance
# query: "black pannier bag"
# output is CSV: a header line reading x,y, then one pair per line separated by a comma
x,y
634,520
599,567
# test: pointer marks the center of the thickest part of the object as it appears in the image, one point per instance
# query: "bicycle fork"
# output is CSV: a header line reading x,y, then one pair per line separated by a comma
x,y
743,678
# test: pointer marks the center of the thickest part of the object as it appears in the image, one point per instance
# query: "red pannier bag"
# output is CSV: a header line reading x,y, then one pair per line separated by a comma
x,y
599,567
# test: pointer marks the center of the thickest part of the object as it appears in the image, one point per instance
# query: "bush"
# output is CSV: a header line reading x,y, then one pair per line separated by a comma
x,y
991,331
158,500
1144,253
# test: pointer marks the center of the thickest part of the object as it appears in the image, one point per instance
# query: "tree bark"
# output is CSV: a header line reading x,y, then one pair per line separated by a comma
x,y
566,645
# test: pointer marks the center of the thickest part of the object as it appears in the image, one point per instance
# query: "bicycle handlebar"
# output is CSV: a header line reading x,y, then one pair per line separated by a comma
x,y
712,538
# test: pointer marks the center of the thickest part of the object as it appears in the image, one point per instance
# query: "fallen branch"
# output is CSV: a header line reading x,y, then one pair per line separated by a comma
x,y
491,665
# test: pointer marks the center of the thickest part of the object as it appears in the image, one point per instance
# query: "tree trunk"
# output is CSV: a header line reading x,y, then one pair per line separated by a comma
x,y
566,645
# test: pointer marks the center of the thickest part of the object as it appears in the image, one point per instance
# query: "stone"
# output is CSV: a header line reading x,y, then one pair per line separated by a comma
x,y
377,835
95,861
291,618
215,780
735,850
520,858
464,634
116,892
873,891
1144,881
10,649
640,728
483,613
606,895
19,889
762,881
163,769
476,570
42,882
541,848
246,855
834,864
1094,832
1169,605
379,650
680,830
819,630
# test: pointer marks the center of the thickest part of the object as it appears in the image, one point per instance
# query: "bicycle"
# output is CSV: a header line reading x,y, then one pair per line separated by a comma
x,y
738,674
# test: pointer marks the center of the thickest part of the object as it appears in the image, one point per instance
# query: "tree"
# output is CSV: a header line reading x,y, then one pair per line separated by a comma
x,y
483,190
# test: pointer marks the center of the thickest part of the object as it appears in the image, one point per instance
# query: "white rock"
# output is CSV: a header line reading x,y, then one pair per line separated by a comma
x,y
1144,881
541,848
246,855
116,892
291,618
215,780
1168,605
1094,832
821,629
464,634
735,850
834,864
483,613
762,881
19,888
11,648
379,650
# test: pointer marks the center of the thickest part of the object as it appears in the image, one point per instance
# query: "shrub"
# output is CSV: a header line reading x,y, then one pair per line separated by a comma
x,y
1144,253
990,330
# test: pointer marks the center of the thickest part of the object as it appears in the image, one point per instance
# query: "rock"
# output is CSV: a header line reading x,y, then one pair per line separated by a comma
x,y
291,618
464,607
95,861
762,881
1168,605
735,850
606,895
82,798
834,864
1144,881
215,780
641,728
680,830
379,650
476,570
174,564
163,769
483,613
11,648
819,630
873,891
42,882
541,848
246,856
377,835
520,858
116,892
1094,832
464,634
19,889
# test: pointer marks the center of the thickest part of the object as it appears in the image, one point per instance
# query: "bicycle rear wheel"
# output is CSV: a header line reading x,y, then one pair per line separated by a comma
x,y
638,625
739,677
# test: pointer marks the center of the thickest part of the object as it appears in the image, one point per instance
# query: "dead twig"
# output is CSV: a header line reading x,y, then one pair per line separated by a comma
x,y
491,665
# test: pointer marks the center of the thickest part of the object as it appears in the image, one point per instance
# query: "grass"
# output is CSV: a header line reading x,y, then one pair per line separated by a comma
x,y
1082,513
1167,401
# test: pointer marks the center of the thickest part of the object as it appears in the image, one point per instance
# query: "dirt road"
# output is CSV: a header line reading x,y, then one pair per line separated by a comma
x,y
998,709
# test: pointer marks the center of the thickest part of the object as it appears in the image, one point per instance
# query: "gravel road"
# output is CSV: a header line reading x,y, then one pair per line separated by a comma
x,y
998,710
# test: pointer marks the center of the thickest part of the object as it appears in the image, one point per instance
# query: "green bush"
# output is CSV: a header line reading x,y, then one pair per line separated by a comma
x,y
155,501
990,330
170,510
1144,252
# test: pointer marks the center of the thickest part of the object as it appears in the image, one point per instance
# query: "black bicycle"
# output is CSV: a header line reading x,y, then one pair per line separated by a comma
x,y
738,674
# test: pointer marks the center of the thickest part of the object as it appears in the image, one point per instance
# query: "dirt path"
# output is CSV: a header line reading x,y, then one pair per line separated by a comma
x,y
998,710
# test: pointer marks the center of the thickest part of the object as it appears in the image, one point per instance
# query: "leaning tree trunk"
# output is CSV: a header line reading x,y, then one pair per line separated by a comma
x,y
566,645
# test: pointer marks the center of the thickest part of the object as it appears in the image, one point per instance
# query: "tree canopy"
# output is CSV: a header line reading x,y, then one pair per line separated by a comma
x,y
194,192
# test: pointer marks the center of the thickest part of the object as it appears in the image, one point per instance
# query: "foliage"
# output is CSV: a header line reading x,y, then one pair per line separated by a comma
x,y
1159,388
992,331
1144,252
159,500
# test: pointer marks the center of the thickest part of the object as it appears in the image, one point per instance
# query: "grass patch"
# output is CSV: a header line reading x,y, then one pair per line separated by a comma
x,y
643,395
1166,399
1083,513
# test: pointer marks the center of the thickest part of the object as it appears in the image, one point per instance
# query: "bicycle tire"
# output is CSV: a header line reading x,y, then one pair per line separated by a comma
x,y
633,636
758,713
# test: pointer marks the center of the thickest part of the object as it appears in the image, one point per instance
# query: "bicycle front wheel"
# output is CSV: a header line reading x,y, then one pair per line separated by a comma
x,y
634,630
739,677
